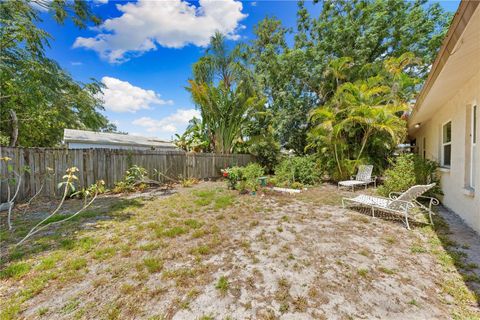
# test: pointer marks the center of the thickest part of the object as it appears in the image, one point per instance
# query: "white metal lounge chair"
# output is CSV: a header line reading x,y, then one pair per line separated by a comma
x,y
401,203
363,178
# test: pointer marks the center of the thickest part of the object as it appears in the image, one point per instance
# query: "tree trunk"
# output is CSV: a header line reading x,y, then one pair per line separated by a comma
x,y
14,132
364,143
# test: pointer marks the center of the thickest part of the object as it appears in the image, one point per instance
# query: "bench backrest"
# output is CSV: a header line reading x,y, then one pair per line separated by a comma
x,y
364,173
411,194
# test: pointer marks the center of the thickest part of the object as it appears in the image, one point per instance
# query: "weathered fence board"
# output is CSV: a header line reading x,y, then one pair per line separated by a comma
x,y
106,164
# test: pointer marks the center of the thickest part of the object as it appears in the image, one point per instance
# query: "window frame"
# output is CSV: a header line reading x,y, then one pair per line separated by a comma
x,y
473,143
424,149
444,144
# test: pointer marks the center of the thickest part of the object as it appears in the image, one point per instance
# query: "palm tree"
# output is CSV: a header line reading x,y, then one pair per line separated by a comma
x,y
337,68
360,109
223,89
369,109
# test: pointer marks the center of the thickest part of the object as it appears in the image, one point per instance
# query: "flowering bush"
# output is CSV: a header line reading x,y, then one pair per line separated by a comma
x,y
243,177
233,176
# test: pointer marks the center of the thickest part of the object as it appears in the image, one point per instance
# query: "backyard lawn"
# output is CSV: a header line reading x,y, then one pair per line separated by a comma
x,y
210,253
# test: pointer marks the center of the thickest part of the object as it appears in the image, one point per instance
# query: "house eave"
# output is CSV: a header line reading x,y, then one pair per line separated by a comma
x,y
450,44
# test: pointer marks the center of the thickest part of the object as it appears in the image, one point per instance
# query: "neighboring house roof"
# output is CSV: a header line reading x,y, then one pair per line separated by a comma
x,y
457,61
83,136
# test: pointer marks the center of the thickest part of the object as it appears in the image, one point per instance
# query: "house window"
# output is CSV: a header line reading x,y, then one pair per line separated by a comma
x,y
447,144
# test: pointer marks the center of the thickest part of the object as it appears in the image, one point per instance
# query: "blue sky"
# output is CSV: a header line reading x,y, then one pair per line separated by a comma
x,y
144,52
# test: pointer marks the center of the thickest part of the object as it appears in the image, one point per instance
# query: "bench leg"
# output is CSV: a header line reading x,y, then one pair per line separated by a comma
x,y
406,220
430,216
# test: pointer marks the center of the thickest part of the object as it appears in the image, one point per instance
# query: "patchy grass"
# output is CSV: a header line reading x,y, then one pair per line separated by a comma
x,y
76,264
222,284
222,202
153,264
174,231
193,223
362,272
15,271
104,253
201,250
161,257
387,270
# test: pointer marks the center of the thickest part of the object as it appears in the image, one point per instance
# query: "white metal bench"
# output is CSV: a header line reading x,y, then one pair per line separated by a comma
x,y
363,178
399,203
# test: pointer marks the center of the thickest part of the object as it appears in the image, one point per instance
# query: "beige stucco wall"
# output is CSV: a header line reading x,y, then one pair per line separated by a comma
x,y
454,180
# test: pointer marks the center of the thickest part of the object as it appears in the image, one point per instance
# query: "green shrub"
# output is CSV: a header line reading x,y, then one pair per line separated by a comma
x,y
233,175
243,178
408,170
252,171
135,174
266,150
132,180
297,185
304,170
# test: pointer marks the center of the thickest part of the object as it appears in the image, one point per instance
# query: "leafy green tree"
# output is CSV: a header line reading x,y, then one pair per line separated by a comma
x,y
298,78
261,140
44,97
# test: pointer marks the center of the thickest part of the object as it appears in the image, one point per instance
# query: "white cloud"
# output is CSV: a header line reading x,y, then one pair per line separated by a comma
x,y
121,96
170,124
172,24
76,63
253,3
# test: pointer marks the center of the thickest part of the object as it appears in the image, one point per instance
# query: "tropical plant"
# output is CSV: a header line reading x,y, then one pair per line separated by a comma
x,y
68,185
261,140
195,138
135,174
362,121
135,180
224,91
233,176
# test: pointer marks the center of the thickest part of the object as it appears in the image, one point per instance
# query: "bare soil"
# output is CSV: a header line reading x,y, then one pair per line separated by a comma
x,y
209,253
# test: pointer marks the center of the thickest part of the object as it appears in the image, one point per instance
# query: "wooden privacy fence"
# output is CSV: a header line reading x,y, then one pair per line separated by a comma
x,y
106,164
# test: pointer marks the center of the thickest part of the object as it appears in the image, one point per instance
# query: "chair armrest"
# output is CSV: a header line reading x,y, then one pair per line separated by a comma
x,y
433,201
394,195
